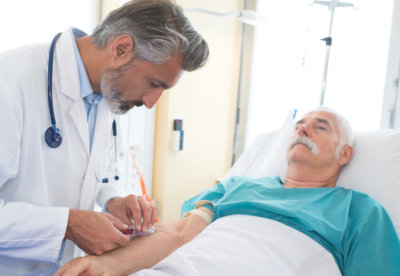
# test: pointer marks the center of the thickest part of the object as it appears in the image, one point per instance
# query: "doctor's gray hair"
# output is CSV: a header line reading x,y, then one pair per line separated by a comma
x,y
345,130
159,29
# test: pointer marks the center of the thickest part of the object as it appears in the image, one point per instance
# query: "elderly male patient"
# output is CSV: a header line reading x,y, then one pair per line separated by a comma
x,y
353,227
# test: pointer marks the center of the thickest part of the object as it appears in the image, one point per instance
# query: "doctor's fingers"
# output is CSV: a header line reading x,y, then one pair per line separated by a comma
x,y
154,213
109,237
133,206
108,243
120,239
139,210
149,213
116,222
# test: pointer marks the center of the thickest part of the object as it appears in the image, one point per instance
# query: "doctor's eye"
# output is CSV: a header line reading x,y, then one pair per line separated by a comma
x,y
154,84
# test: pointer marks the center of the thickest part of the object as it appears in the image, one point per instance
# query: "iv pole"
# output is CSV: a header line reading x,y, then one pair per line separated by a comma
x,y
332,5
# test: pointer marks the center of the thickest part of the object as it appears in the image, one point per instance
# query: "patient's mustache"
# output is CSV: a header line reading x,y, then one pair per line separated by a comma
x,y
305,141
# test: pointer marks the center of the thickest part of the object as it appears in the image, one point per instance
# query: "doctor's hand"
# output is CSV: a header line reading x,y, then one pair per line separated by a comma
x,y
144,214
95,232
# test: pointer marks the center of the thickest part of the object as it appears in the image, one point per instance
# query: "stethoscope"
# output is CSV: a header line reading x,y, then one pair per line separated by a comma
x,y
53,135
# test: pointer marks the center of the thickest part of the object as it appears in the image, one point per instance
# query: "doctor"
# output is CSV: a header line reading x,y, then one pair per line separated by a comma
x,y
58,139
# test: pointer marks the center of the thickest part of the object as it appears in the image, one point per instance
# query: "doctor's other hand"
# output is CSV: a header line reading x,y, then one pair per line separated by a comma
x,y
144,214
95,232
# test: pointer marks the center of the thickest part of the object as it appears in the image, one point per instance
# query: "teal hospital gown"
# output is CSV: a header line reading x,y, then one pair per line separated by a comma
x,y
352,226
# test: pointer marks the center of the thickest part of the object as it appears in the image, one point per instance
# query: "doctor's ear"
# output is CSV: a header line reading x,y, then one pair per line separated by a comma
x,y
122,48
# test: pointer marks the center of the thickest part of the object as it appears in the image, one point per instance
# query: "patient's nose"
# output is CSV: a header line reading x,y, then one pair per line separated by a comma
x,y
302,130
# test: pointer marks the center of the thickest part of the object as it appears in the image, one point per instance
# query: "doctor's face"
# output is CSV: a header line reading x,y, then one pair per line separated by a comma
x,y
138,83
315,140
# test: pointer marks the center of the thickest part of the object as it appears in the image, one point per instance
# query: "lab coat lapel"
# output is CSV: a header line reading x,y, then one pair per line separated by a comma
x,y
102,131
99,159
78,116
70,87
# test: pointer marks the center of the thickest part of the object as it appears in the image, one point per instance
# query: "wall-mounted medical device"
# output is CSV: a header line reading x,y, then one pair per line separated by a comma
x,y
177,138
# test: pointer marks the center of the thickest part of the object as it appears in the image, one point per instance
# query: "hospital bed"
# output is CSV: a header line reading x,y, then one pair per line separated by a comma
x,y
240,245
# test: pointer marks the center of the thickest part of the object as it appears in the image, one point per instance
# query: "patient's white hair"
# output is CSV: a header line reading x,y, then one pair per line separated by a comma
x,y
345,130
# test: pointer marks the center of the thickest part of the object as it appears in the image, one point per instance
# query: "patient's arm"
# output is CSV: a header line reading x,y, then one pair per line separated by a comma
x,y
141,252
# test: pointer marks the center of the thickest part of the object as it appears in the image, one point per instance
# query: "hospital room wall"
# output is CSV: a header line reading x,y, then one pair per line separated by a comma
x,y
206,101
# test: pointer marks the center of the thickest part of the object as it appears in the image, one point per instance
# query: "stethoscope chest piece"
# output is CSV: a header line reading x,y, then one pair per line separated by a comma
x,y
53,139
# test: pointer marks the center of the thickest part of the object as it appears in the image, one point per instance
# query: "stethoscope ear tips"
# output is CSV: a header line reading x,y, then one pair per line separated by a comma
x,y
116,177
53,140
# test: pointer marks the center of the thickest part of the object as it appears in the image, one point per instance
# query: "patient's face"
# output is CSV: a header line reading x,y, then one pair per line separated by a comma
x,y
315,140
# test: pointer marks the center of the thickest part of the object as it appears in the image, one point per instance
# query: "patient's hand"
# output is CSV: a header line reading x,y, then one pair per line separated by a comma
x,y
90,266
141,252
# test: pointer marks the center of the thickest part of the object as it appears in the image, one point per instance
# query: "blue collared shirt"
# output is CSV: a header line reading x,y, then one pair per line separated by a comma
x,y
91,98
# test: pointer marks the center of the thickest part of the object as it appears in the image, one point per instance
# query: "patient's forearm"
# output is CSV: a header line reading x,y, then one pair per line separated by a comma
x,y
144,252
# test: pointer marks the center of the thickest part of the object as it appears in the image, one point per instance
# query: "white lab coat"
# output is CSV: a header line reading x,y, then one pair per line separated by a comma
x,y
39,184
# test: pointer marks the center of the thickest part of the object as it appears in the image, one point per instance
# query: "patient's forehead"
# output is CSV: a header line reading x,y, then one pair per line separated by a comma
x,y
320,116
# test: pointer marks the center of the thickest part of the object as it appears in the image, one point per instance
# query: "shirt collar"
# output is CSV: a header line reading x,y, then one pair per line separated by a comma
x,y
86,89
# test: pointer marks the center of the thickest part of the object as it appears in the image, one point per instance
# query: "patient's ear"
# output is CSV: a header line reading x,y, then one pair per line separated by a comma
x,y
346,154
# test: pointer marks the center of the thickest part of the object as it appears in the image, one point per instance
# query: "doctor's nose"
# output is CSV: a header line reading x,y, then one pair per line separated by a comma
x,y
151,98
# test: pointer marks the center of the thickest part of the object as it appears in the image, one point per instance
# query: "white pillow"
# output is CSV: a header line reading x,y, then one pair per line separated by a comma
x,y
267,154
374,169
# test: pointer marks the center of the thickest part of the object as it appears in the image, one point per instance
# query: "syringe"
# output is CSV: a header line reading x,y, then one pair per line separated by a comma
x,y
131,232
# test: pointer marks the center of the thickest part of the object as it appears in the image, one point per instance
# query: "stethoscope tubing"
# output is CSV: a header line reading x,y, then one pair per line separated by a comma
x,y
50,81
54,138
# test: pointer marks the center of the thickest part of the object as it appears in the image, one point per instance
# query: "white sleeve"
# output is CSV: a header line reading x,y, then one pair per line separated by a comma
x,y
26,231
22,234
11,113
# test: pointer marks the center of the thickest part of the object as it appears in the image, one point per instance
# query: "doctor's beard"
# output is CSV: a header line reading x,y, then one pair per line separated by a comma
x,y
305,141
110,85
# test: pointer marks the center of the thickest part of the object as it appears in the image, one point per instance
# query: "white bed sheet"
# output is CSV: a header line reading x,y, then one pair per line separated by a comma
x,y
240,245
